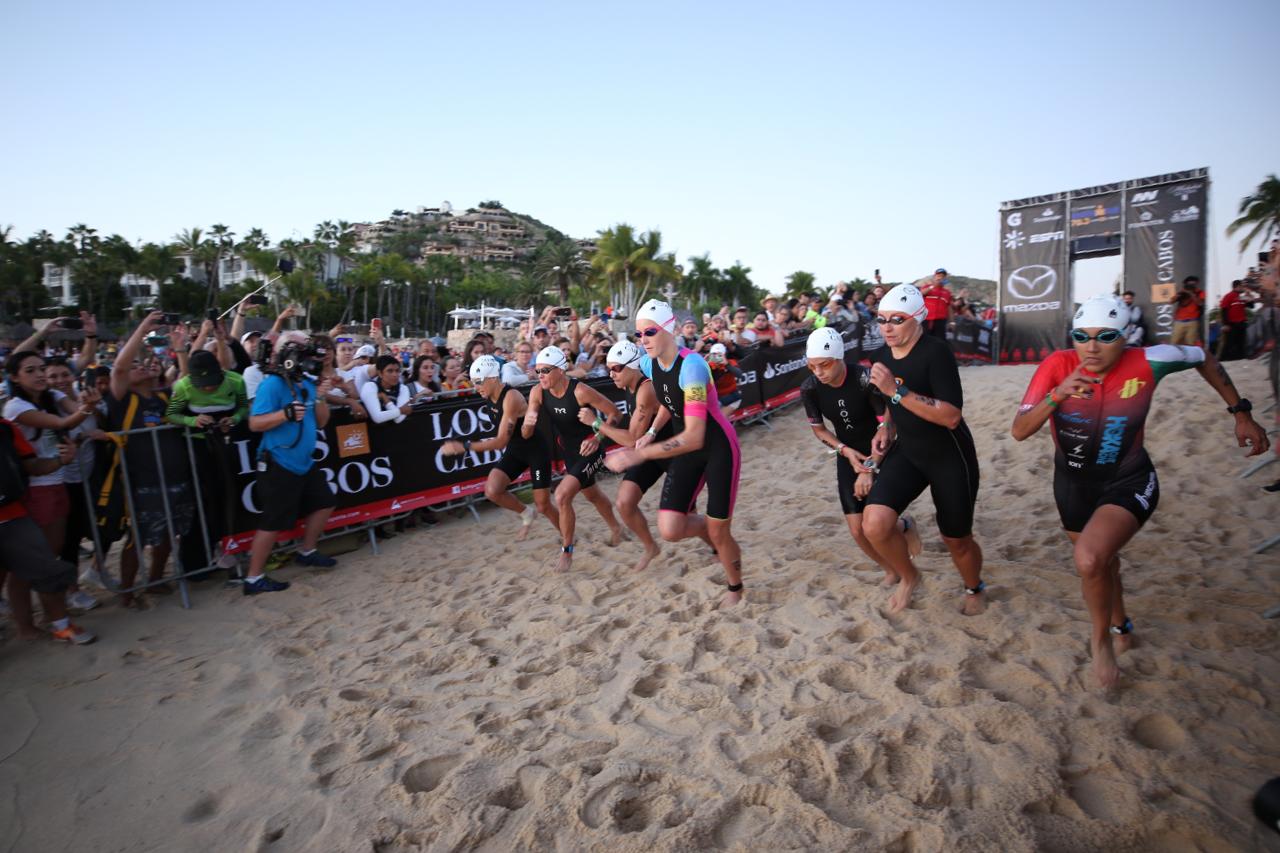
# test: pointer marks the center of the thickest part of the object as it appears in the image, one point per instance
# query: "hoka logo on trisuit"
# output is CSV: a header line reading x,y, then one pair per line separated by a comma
x,y
1112,437
1130,388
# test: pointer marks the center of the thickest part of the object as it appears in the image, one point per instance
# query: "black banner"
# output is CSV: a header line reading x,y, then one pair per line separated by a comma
x,y
1096,216
970,340
1034,299
1164,242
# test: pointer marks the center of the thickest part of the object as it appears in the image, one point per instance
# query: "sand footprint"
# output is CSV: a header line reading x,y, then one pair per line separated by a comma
x,y
425,776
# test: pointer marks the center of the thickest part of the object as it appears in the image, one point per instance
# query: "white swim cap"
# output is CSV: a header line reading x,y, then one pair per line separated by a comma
x,y
903,299
553,357
657,312
1101,312
483,368
824,343
623,352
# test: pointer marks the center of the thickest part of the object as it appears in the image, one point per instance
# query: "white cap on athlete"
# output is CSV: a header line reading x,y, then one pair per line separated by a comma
x,y
903,299
624,352
824,343
1101,312
657,312
552,357
484,367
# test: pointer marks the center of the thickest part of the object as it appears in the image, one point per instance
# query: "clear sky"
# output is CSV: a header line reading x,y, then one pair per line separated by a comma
x,y
830,137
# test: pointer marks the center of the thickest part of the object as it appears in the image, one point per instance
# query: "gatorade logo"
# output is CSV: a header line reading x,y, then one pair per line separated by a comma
x,y
1130,388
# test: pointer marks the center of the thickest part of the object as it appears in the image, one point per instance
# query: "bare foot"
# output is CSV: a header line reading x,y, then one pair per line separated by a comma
x,y
566,561
649,554
617,537
1105,668
890,578
524,532
1122,643
902,597
914,545
973,605
728,600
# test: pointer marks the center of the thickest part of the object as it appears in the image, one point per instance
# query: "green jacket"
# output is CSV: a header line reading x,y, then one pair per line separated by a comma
x,y
189,402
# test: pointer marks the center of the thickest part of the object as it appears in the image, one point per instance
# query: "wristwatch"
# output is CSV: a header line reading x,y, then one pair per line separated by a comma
x,y
897,398
870,465
1243,406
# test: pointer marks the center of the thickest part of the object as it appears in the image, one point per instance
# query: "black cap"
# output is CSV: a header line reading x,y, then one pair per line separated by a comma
x,y
204,369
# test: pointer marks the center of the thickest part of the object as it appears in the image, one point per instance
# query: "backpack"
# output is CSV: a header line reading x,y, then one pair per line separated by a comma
x,y
13,477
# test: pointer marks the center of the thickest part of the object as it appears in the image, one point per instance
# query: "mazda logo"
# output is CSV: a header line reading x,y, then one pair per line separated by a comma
x,y
1034,281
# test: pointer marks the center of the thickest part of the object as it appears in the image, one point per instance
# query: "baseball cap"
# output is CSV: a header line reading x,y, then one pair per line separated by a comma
x,y
824,343
551,357
483,368
624,352
904,299
367,351
718,352
1101,312
657,312
539,328
942,270
247,336
204,369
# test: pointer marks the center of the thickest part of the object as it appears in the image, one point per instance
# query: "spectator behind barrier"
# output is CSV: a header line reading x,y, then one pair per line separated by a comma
x,y
387,398
520,370
763,332
424,385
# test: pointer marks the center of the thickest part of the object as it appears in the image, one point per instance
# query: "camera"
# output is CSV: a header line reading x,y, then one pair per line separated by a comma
x,y
212,314
156,340
262,353
564,311
294,361
256,299
71,323
171,319
285,266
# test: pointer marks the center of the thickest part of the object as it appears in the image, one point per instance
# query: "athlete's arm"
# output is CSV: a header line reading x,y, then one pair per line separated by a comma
x,y
695,378
512,411
1249,433
1043,397
588,396
931,409
530,422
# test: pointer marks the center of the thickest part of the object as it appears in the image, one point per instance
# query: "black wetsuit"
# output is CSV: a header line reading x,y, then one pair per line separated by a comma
x,y
648,472
520,452
928,454
562,414
852,408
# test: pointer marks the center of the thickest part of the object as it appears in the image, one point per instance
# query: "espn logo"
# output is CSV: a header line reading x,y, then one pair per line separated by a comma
x,y
353,440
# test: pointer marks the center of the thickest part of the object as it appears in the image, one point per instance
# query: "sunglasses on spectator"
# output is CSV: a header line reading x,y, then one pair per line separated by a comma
x,y
896,320
344,340
1106,336
544,371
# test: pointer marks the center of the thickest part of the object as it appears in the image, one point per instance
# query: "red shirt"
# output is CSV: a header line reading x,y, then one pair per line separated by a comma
x,y
1232,308
937,302
25,451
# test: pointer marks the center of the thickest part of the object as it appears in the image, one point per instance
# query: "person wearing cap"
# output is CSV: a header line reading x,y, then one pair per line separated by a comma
x,y
1098,394
558,398
641,409
918,375
507,408
209,401
725,375
842,393
937,300
703,452
386,398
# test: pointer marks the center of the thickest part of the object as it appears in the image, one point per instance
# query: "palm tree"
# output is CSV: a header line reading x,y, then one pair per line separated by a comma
x,y
703,281
623,260
799,282
1261,210
738,282
560,264
255,238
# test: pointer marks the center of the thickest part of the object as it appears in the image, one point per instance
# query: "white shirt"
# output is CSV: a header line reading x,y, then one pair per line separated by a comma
x,y
359,375
379,413
45,445
253,377
513,375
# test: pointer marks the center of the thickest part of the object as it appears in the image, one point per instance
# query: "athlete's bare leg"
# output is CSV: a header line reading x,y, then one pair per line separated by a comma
x,y
884,530
495,489
628,504
542,500
601,502
730,557
565,493
1096,548
1120,642
854,520
966,553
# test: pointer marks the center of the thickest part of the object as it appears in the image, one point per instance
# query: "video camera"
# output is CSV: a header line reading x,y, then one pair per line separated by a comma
x,y
295,360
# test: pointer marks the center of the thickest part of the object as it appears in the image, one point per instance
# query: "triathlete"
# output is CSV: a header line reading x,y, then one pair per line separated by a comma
x,y
507,408
1098,394
623,361
843,394
917,374
558,398
704,449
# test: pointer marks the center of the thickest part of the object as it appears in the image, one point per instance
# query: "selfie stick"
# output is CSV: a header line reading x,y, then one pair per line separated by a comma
x,y
259,290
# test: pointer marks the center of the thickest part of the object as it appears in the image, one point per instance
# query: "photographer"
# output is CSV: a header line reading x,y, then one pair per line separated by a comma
x,y
1189,308
88,352
288,410
209,401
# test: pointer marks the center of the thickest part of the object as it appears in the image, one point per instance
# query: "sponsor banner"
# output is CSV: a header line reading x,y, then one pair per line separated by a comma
x,y
378,470
1034,299
1164,242
970,340
1096,216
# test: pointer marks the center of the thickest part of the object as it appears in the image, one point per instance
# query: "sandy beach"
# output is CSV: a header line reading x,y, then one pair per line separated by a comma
x,y
455,693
